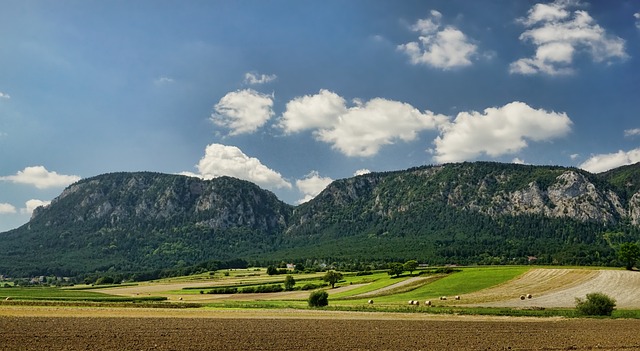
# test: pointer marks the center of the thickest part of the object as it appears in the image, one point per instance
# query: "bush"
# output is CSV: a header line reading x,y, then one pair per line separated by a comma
x,y
223,291
318,298
596,304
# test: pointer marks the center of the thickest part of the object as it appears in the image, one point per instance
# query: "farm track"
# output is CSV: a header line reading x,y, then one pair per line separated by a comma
x,y
284,330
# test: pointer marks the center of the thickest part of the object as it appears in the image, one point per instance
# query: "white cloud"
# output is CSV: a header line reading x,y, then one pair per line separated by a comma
x,y
222,160
497,131
312,185
163,80
559,35
255,78
445,48
637,17
243,111
360,130
574,156
7,208
632,132
4,96
39,177
361,172
518,161
32,204
321,110
605,162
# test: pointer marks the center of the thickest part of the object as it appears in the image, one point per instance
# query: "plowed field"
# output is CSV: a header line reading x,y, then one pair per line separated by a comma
x,y
309,333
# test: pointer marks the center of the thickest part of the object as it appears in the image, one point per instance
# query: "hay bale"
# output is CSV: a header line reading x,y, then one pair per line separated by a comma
x,y
522,297
8,298
427,303
370,302
410,302
443,298
529,296
457,297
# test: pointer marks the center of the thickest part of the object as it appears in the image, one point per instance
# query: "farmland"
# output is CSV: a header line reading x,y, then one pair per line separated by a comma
x,y
485,317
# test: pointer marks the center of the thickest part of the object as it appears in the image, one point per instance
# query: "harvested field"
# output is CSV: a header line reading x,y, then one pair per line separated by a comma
x,y
334,331
559,288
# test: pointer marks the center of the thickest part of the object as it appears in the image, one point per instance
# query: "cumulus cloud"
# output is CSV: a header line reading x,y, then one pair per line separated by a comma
x,y
444,48
41,178
574,156
497,131
222,160
637,17
360,130
4,96
32,204
252,78
632,132
605,162
317,111
311,185
7,208
243,111
361,172
518,161
559,34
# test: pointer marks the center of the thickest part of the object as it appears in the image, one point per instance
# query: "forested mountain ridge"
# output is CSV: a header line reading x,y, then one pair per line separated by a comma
x,y
143,221
480,212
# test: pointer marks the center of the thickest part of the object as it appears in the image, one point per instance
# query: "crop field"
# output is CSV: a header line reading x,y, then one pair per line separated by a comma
x,y
485,317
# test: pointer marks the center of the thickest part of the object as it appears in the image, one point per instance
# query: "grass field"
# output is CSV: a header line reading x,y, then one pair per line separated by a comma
x,y
475,285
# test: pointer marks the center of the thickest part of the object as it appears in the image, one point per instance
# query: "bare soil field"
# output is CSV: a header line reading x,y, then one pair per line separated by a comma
x,y
559,288
109,330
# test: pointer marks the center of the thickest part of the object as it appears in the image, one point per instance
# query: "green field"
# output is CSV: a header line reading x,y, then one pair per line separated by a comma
x,y
352,293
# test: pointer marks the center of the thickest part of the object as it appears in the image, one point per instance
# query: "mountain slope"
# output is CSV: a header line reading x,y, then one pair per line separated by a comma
x,y
479,212
141,221
465,213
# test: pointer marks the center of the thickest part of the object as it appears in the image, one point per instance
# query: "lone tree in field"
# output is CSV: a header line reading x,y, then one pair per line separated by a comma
x,y
332,277
629,253
396,268
410,266
318,298
289,283
596,304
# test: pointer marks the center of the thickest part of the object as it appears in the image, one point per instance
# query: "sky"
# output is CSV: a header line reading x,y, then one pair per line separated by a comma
x,y
292,95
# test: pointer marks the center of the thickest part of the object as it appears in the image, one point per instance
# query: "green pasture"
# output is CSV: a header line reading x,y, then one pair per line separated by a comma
x,y
465,281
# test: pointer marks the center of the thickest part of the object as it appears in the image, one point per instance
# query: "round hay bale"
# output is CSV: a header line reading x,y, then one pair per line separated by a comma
x,y
529,296
410,302
457,297
427,303
8,298
417,303
522,297
443,298
370,302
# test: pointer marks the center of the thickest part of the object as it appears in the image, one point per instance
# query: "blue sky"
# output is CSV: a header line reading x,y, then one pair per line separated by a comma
x,y
293,94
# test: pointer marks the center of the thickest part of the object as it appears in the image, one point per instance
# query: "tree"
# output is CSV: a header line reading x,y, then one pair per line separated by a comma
x,y
318,298
629,253
596,304
289,283
332,277
410,266
272,270
396,268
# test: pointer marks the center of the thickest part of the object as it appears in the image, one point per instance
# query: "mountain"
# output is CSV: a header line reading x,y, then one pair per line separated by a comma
x,y
143,221
480,212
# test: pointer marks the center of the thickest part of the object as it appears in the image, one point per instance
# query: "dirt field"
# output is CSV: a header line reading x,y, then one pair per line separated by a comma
x,y
282,330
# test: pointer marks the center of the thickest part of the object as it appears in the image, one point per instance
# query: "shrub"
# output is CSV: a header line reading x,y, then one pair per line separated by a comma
x,y
223,291
318,298
596,304
311,286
